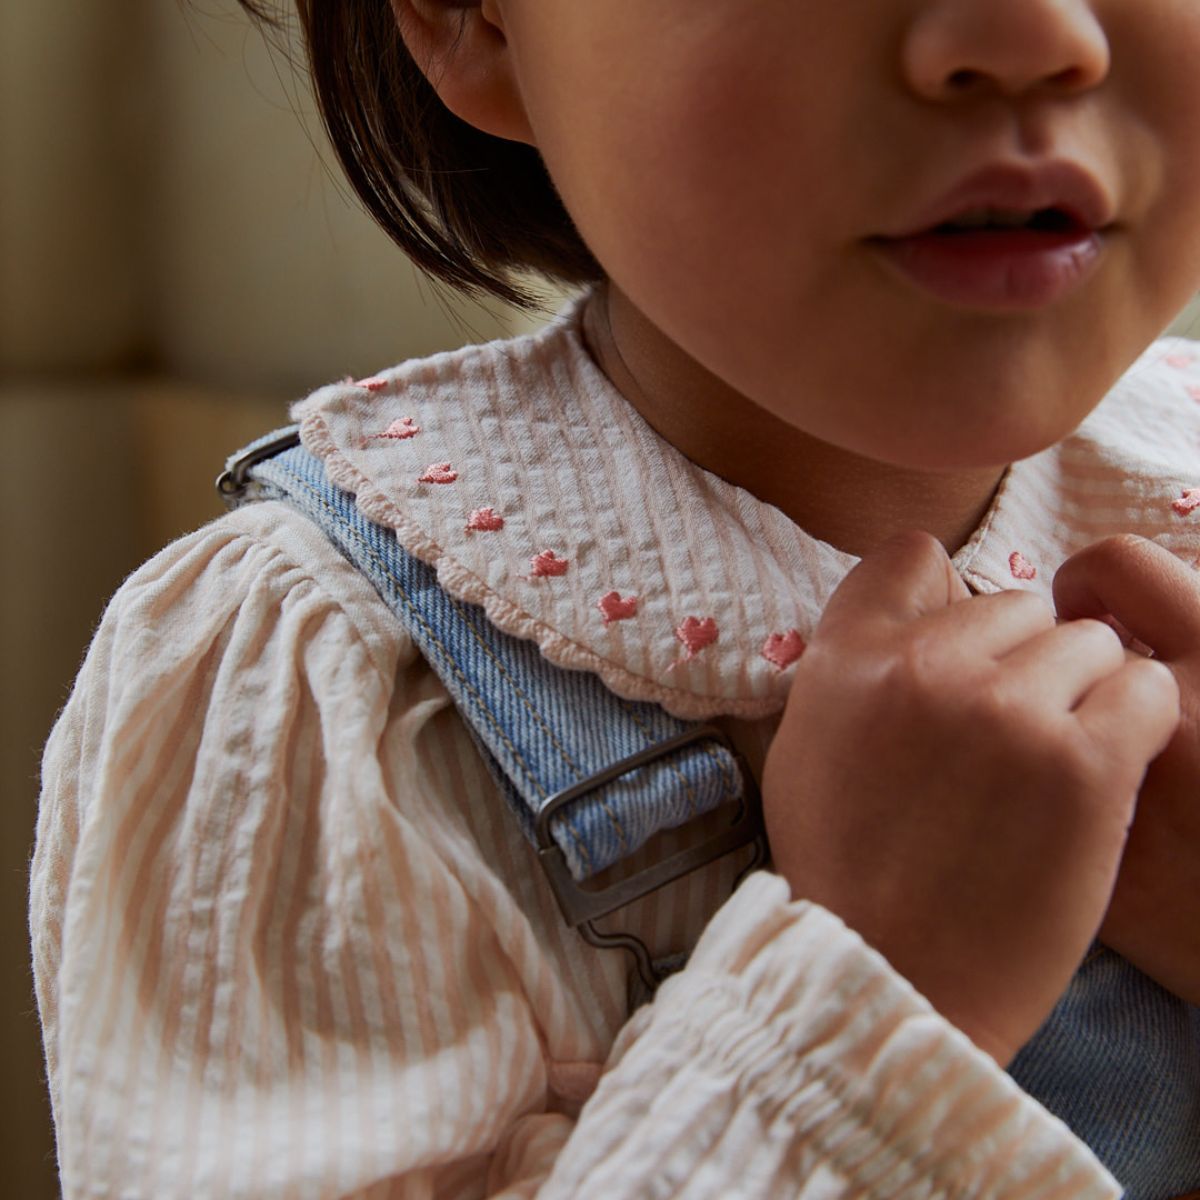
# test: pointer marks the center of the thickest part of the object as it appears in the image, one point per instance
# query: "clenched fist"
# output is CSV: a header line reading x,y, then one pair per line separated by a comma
x,y
954,776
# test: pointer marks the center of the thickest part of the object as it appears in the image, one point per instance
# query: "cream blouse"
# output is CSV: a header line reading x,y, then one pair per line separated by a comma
x,y
288,940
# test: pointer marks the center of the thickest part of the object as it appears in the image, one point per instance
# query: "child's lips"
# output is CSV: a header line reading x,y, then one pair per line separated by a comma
x,y
967,248
1004,270
1059,185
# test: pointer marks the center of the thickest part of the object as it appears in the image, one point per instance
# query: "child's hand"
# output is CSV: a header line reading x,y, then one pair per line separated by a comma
x,y
954,777
1154,918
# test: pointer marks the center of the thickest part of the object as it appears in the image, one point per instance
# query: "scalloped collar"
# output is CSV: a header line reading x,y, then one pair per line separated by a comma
x,y
521,473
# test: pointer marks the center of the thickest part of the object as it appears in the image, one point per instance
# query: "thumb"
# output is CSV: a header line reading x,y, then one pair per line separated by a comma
x,y
1149,591
905,578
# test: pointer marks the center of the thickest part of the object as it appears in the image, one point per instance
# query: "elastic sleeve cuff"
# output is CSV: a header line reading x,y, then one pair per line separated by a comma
x,y
849,1070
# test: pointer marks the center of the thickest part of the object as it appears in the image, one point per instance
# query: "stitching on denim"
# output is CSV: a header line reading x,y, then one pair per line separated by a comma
x,y
722,762
725,765
374,557
693,803
622,840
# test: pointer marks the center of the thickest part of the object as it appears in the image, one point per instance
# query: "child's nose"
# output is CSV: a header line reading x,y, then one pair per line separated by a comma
x,y
956,49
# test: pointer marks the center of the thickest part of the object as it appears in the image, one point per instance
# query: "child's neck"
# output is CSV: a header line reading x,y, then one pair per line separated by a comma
x,y
851,502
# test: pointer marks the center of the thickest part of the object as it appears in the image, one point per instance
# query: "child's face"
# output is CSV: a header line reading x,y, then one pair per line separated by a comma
x,y
729,162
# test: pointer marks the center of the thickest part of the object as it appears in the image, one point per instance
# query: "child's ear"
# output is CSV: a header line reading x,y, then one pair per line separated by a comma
x,y
461,48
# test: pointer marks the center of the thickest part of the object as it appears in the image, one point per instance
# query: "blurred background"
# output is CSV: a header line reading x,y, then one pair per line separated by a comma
x,y
177,263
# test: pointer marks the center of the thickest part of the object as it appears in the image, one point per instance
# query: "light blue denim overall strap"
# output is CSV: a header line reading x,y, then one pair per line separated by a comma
x,y
1119,1061
590,776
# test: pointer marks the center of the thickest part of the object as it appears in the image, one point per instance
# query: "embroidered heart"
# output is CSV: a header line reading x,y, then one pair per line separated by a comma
x,y
696,634
548,563
376,383
484,520
1188,502
616,609
400,430
1179,361
783,649
1020,566
1194,391
439,473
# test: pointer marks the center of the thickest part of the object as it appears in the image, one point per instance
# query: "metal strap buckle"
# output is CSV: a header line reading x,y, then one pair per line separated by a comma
x,y
581,907
231,483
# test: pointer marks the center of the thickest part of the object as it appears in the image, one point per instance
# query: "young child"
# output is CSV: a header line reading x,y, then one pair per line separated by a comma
x,y
852,269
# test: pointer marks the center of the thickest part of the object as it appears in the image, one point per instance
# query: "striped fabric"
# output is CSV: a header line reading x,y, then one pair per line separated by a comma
x,y
289,943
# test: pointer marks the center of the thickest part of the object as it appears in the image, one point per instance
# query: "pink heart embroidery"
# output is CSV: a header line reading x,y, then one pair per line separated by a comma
x,y
1179,361
375,384
1020,566
696,634
1194,391
616,609
400,430
1188,502
548,563
439,473
783,649
484,520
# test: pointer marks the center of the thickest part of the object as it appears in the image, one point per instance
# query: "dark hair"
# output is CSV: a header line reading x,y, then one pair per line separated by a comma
x,y
471,209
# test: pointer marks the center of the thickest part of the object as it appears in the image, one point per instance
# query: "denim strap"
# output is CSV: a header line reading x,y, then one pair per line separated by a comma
x,y
543,729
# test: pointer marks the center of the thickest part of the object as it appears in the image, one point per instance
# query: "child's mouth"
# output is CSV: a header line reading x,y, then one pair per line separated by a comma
x,y
997,259
1042,220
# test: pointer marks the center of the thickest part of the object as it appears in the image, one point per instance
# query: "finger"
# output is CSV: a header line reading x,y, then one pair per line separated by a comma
x,y
1154,595
1135,707
906,577
995,624
1063,664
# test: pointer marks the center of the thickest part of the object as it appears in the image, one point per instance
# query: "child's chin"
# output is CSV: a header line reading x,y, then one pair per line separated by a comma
x,y
957,453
